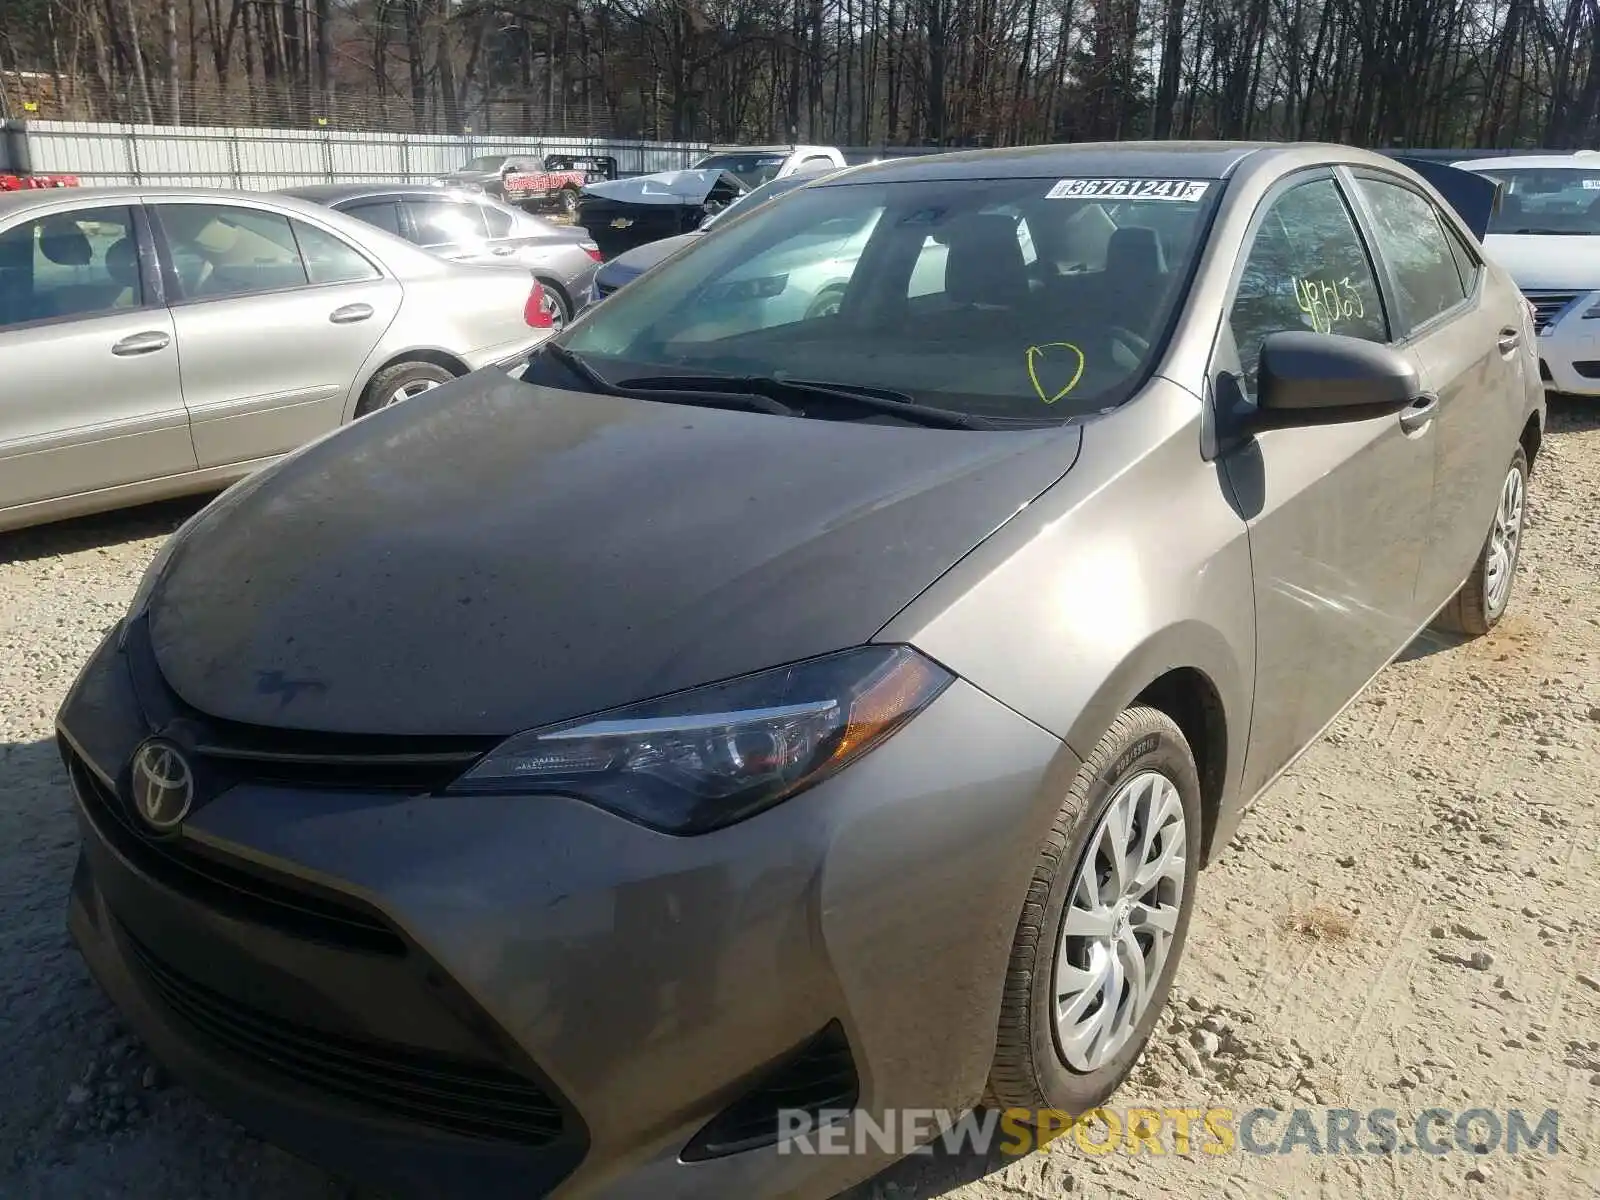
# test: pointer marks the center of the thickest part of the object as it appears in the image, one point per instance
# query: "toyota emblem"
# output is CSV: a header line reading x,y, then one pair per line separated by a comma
x,y
163,785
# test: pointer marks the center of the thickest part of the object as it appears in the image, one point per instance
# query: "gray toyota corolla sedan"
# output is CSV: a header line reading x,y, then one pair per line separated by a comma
x,y
566,785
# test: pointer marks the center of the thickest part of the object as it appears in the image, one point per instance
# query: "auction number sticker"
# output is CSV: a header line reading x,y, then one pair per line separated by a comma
x,y
1184,191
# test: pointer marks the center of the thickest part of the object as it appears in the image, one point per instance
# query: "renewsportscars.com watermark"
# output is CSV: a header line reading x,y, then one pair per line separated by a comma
x,y
1176,1131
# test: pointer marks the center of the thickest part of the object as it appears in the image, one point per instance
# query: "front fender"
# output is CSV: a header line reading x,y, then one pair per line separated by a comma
x,y
1135,563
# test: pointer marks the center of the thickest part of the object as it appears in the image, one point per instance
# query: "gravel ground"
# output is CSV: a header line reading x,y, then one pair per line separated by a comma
x,y
1406,921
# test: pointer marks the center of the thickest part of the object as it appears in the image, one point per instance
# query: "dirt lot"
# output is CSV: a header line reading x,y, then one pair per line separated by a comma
x,y
1408,920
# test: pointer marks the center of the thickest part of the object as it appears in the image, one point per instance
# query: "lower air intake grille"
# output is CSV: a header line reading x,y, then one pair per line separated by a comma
x,y
427,1089
818,1078
243,893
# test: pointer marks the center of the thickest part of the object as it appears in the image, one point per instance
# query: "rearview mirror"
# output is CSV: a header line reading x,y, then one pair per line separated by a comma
x,y
1310,378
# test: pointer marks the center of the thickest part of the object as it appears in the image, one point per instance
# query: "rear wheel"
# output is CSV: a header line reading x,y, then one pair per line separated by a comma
x,y
1104,922
569,202
402,381
1485,596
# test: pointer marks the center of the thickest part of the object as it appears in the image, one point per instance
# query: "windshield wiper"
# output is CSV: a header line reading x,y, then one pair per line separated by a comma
x,y
581,369
682,389
1552,232
769,387
716,390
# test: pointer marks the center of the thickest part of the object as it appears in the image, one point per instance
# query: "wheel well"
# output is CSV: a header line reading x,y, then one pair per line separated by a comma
x,y
1532,437
1189,698
438,357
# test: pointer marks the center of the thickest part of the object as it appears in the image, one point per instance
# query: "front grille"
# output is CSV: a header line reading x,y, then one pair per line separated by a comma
x,y
248,894
1547,306
427,1089
818,1079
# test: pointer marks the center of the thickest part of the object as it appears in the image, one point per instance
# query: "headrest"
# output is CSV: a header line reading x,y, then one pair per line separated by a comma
x,y
63,242
122,263
1134,252
985,263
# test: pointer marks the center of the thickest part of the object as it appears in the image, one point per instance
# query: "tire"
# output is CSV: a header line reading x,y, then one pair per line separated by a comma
x,y
1143,756
400,382
569,202
1485,596
556,305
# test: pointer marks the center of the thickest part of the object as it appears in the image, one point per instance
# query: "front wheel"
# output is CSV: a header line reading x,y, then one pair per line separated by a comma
x,y
569,202
1485,596
1104,922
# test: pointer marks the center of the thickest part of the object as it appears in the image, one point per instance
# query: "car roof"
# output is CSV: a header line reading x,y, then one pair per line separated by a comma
x,y
332,193
53,198
1153,160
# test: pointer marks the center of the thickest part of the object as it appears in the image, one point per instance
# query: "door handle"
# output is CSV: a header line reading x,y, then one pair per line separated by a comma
x,y
142,343
1510,339
504,250
1419,412
350,314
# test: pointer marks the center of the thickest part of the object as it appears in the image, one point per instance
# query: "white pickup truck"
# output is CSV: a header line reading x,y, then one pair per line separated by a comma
x,y
755,165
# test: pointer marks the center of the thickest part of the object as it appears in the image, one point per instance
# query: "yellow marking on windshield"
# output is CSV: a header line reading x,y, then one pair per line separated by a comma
x,y
1035,353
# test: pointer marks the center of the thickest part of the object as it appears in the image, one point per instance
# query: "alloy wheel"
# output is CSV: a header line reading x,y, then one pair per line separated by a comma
x,y
1505,537
407,390
1120,918
550,303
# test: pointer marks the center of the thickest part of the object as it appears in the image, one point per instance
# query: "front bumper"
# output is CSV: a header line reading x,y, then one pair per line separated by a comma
x,y
359,975
1569,350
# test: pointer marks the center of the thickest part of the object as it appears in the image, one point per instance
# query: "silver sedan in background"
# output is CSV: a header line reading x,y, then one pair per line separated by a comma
x,y
473,227
161,341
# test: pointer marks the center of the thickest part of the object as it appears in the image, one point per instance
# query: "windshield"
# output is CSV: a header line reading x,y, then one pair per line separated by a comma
x,y
761,195
752,170
482,166
1547,200
1014,299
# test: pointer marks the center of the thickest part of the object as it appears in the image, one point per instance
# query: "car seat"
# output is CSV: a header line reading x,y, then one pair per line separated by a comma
x,y
984,266
1135,279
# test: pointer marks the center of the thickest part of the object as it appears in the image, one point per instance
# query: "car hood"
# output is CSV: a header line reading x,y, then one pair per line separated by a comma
x,y
493,556
636,262
662,187
1548,262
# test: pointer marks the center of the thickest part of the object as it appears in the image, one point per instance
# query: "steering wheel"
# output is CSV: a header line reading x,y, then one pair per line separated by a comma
x,y
1139,345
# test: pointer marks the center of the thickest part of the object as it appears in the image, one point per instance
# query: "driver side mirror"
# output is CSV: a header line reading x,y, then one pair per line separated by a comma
x,y
1308,378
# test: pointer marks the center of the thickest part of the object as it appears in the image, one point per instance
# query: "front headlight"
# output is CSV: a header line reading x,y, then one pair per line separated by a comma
x,y
703,759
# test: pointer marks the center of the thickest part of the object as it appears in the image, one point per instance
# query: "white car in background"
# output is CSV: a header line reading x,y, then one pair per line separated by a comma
x,y
1546,232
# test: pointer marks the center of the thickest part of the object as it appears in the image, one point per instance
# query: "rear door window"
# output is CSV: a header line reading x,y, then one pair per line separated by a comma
x,y
446,223
329,259
1411,239
220,250
498,220
381,213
